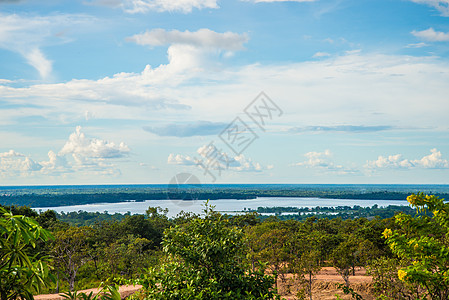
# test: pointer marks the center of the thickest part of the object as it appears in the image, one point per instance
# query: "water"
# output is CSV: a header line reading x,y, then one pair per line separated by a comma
x,y
222,205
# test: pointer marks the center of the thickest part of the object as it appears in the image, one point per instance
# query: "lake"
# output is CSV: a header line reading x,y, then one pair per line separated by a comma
x,y
222,205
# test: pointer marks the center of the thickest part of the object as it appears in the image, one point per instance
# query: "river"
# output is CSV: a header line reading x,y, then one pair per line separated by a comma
x,y
221,205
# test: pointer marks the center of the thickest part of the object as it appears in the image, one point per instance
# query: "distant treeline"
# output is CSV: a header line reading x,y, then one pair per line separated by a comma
x,y
343,212
83,218
48,197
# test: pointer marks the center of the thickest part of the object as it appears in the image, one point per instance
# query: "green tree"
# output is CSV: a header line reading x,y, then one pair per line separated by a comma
x,y
71,251
423,242
268,243
205,260
23,269
305,262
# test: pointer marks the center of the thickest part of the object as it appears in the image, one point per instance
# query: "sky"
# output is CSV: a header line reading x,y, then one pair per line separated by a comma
x,y
230,91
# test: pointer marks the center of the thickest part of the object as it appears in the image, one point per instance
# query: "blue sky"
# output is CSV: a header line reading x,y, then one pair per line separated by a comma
x,y
137,91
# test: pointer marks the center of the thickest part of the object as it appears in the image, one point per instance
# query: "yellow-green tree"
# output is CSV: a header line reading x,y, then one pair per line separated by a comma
x,y
423,242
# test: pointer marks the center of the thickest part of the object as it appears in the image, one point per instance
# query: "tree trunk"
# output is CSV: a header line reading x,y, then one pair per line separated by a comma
x,y
310,285
57,283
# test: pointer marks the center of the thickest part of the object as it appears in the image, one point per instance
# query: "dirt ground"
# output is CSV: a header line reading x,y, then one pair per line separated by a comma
x,y
324,286
125,291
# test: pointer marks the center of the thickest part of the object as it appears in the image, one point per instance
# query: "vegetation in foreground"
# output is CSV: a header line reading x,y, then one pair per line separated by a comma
x,y
224,257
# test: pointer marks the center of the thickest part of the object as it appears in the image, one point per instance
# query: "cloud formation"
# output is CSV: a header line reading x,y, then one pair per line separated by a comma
x,y
27,35
88,155
431,35
360,89
441,5
17,164
212,159
432,161
323,161
199,128
79,145
202,38
144,6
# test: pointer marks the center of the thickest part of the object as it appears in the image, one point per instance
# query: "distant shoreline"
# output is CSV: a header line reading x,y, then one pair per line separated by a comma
x,y
51,196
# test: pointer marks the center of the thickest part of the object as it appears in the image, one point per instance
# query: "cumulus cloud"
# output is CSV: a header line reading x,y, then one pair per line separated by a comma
x,y
179,159
11,153
88,155
432,161
13,163
323,161
200,128
341,128
244,164
56,164
391,161
79,145
441,5
203,38
27,35
213,159
431,35
143,6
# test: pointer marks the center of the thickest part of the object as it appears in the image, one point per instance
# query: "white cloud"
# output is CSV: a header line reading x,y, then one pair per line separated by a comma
x,y
391,161
13,163
431,161
317,159
213,159
81,146
179,159
416,45
202,38
361,89
244,164
323,161
321,54
56,164
37,59
143,6
431,35
89,156
27,35
11,153
441,5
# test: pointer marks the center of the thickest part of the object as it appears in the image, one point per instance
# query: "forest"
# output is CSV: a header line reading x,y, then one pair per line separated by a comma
x,y
51,196
216,256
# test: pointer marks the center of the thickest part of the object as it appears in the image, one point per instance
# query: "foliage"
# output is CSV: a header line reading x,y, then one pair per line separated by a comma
x,y
305,259
386,283
106,293
422,241
23,270
205,261
71,251
348,291
268,243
